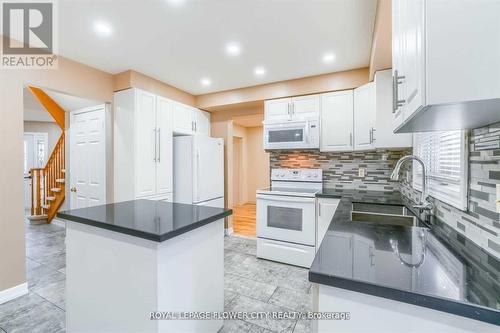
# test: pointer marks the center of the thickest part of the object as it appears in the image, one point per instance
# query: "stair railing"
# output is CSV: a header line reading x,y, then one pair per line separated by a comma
x,y
43,180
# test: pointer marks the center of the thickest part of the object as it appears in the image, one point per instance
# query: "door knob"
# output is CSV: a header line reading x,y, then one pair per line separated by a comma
x,y
73,189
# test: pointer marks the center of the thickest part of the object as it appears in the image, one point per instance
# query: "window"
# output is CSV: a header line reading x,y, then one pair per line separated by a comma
x,y
445,158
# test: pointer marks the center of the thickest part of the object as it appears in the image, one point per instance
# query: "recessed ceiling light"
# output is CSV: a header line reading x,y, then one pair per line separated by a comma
x,y
206,81
176,2
259,71
233,49
103,29
328,57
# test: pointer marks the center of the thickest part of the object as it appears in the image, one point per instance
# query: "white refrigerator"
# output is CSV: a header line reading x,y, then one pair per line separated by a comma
x,y
199,170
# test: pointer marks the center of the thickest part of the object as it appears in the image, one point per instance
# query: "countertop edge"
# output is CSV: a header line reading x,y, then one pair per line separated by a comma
x,y
467,310
470,311
142,234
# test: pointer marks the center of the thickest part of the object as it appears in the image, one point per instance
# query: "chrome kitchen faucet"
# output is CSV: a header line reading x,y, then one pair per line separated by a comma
x,y
425,204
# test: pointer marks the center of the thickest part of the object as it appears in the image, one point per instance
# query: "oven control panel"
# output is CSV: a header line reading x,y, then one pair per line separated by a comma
x,y
304,175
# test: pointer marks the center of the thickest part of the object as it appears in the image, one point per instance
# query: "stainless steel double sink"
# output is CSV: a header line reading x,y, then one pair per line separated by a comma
x,y
383,214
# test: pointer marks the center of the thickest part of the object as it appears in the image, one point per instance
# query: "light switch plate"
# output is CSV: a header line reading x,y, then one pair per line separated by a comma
x,y
361,172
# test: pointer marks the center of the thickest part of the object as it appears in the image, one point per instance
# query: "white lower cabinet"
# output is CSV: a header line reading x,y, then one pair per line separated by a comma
x,y
325,210
168,197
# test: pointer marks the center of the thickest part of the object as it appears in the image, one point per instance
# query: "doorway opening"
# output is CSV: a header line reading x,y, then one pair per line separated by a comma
x,y
53,133
250,165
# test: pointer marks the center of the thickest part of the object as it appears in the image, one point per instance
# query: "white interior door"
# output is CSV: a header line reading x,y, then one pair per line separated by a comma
x,y
208,169
87,157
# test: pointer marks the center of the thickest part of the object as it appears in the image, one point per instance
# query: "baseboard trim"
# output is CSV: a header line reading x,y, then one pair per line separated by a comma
x,y
58,222
228,231
14,292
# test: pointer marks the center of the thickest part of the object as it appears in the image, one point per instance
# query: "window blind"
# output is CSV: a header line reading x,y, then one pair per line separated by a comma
x,y
445,157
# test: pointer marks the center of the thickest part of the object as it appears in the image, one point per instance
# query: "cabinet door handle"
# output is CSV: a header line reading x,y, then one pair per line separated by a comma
x,y
396,81
195,126
154,139
350,139
159,145
319,209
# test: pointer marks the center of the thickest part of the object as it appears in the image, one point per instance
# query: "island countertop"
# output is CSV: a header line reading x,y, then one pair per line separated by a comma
x,y
148,219
429,265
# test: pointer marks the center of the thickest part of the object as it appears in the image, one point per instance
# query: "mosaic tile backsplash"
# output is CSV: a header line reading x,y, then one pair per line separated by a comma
x,y
341,169
481,223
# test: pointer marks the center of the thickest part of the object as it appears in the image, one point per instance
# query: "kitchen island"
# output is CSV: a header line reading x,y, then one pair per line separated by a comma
x,y
390,277
129,259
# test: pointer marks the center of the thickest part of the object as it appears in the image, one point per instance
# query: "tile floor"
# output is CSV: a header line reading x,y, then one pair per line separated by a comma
x,y
251,284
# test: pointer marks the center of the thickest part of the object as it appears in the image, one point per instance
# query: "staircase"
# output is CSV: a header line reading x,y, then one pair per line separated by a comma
x,y
48,183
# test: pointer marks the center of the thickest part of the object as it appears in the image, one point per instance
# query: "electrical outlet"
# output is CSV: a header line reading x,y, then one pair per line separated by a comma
x,y
361,172
498,198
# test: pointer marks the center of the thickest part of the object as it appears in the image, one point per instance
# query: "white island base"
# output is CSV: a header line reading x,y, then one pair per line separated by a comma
x,y
114,281
380,315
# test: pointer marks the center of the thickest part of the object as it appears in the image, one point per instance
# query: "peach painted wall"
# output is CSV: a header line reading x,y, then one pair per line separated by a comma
x,y
72,78
381,55
135,79
303,86
258,162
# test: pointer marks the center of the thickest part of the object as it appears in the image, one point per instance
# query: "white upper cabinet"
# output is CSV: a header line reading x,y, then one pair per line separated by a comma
x,y
385,121
189,120
277,109
202,123
364,116
337,121
443,54
291,109
305,107
183,118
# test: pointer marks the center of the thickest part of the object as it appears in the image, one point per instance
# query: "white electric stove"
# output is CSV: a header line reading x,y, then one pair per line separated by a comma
x,y
286,216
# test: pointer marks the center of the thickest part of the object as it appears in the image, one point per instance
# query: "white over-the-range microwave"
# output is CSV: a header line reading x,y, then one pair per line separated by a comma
x,y
300,134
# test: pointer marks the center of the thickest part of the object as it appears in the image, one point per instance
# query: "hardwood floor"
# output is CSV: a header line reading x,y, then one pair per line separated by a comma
x,y
244,219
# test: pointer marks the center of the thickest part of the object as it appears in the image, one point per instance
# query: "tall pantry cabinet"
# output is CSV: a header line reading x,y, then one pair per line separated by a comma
x,y
142,146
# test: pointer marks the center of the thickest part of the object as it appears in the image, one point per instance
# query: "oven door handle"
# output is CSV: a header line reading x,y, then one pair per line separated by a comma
x,y
285,198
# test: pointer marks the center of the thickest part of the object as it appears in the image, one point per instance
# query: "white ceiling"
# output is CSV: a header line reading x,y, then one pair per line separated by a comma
x,y
183,43
34,111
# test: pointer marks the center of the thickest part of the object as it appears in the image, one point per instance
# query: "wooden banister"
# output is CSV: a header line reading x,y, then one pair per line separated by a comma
x,y
43,180
50,105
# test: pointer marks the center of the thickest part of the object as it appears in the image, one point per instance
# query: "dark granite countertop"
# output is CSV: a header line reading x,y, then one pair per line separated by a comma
x,y
429,265
148,219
